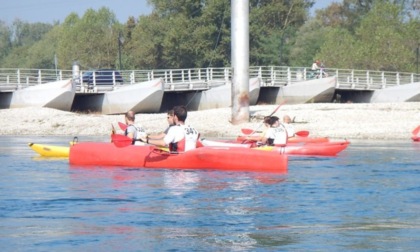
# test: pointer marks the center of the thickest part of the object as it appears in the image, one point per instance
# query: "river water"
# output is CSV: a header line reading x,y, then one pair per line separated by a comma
x,y
365,199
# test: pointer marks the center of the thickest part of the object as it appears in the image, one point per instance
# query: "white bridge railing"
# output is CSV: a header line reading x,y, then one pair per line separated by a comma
x,y
205,78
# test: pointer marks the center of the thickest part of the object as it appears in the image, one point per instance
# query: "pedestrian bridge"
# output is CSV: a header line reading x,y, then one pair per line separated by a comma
x,y
197,79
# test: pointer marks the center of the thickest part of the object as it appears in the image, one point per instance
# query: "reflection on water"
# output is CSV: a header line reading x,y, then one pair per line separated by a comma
x,y
364,199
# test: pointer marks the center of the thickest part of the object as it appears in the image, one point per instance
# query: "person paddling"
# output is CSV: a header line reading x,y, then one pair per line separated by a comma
x,y
287,122
257,138
180,137
132,131
276,134
170,118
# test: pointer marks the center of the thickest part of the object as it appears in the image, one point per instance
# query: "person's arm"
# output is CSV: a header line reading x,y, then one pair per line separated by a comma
x,y
168,138
254,138
160,135
159,142
157,136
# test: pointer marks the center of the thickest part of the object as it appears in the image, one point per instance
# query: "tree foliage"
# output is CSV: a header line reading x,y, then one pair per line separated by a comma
x,y
384,40
5,43
273,27
309,39
16,42
92,40
183,34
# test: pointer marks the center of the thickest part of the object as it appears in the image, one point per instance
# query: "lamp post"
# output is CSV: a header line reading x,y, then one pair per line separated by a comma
x,y
120,42
418,52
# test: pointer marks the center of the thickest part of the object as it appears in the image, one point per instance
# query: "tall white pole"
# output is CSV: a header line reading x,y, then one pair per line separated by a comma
x,y
240,60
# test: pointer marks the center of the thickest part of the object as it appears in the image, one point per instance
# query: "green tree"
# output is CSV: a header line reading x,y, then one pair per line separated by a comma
x,y
180,36
5,44
146,44
310,38
91,40
381,38
42,54
339,49
26,34
413,43
377,35
273,27
17,41
190,33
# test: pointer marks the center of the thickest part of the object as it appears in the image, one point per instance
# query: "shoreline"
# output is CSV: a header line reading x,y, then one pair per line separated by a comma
x,y
380,121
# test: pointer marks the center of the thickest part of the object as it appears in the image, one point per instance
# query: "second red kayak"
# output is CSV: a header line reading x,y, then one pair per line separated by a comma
x,y
331,148
311,149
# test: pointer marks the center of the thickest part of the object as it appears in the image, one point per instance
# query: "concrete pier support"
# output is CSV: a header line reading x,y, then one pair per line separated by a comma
x,y
240,60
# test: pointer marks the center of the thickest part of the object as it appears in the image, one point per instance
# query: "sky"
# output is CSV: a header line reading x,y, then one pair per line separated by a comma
x,y
48,11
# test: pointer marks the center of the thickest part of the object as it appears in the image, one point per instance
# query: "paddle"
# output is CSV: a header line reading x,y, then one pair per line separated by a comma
x,y
416,131
261,124
302,133
124,141
249,131
121,140
122,126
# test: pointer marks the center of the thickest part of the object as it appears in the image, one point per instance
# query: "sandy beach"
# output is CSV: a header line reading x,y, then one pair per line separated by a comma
x,y
382,121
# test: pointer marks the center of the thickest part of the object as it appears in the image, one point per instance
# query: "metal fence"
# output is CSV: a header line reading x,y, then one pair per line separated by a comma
x,y
14,79
205,78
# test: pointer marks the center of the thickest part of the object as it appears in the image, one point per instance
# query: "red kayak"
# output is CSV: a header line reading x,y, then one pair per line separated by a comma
x,y
415,137
331,148
298,139
219,158
316,149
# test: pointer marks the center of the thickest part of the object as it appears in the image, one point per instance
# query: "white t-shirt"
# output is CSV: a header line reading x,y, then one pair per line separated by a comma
x,y
290,129
315,66
179,133
279,135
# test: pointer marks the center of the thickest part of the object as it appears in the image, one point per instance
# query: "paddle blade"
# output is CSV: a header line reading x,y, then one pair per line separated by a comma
x,y
302,133
122,126
120,140
247,131
416,130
